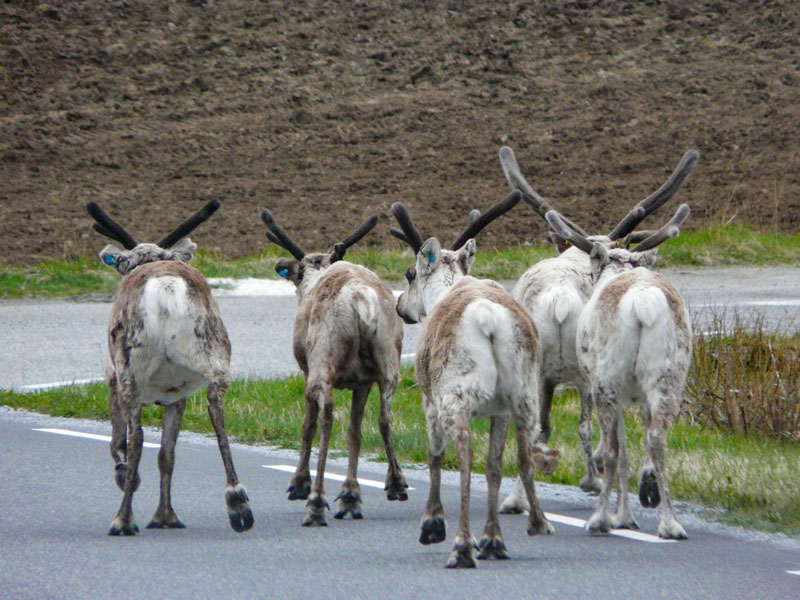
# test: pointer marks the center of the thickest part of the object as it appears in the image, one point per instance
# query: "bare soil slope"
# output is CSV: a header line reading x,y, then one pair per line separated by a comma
x,y
328,111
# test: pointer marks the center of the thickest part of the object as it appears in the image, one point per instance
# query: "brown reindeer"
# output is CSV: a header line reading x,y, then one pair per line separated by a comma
x,y
477,356
166,340
346,336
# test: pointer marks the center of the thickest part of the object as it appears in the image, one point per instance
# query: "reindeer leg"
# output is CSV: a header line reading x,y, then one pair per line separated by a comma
x,y
517,501
623,517
545,458
457,428
433,524
124,523
119,435
607,415
491,544
591,482
537,522
396,485
300,484
165,516
664,410
321,393
350,497
239,513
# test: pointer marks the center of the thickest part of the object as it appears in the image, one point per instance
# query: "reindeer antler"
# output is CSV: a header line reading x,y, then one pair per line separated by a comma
x,y
670,230
279,237
359,233
514,177
190,224
108,227
409,234
657,198
482,220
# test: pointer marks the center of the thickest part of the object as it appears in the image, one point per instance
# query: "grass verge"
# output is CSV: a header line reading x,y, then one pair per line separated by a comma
x,y
724,245
751,481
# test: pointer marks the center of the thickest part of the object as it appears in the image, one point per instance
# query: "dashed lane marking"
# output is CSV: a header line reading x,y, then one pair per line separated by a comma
x,y
37,387
334,476
88,436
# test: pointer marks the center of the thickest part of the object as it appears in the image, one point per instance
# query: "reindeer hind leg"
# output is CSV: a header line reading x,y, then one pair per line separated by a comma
x,y
165,516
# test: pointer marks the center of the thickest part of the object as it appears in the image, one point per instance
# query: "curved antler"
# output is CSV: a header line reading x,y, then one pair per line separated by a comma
x,y
514,177
670,230
189,225
475,226
106,226
359,233
557,222
409,234
279,237
657,198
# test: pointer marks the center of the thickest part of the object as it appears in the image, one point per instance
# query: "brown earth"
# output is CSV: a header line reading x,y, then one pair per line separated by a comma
x,y
328,111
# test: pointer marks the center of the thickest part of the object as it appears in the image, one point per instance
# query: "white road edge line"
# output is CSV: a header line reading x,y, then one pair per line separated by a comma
x,y
57,384
793,572
571,521
88,436
335,476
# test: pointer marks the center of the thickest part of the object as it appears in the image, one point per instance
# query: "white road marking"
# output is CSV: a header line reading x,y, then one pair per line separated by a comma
x,y
408,356
89,436
571,521
36,387
336,477
793,572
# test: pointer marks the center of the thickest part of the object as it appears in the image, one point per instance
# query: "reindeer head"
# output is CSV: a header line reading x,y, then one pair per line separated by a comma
x,y
622,235
607,262
435,268
175,246
306,268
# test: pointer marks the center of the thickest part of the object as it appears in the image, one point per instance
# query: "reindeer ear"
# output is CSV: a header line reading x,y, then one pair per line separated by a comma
x,y
429,255
559,242
598,259
111,255
289,269
183,250
466,256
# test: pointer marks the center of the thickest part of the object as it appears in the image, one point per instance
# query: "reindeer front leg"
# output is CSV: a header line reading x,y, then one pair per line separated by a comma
x,y
321,393
491,544
165,516
607,415
537,522
396,485
350,497
433,529
300,484
457,428
591,482
239,513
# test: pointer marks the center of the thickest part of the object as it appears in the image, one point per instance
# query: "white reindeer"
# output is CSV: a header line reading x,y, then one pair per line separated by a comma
x,y
554,292
346,336
477,356
634,344
166,340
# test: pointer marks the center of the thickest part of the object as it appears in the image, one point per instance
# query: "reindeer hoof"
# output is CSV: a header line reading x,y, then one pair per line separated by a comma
x,y
315,511
121,527
513,505
349,503
239,513
541,525
492,548
299,491
671,531
461,557
170,521
545,460
120,473
396,489
433,531
648,489
598,524
591,485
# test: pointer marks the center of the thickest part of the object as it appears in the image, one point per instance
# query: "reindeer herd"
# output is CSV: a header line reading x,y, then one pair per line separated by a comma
x,y
595,317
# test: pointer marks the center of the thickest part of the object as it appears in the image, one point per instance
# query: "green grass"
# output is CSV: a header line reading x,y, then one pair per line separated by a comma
x,y
749,481
724,245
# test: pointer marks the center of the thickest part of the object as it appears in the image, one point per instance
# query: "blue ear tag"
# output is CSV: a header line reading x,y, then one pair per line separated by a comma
x,y
108,259
430,257
283,273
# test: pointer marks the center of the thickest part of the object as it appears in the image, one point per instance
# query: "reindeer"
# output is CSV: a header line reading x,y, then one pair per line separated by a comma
x,y
166,340
554,292
477,356
634,346
346,336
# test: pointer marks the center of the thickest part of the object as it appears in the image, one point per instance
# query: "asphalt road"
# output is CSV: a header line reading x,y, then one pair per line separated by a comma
x,y
56,341
58,498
